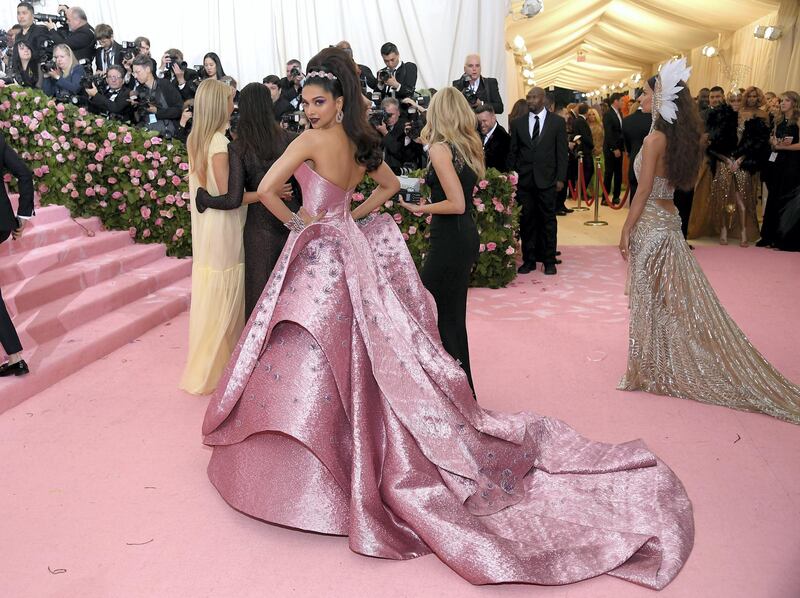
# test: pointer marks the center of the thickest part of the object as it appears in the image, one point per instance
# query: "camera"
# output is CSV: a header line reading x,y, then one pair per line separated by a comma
x,y
471,97
415,123
60,18
293,121
89,81
377,117
384,75
129,50
295,72
48,65
409,189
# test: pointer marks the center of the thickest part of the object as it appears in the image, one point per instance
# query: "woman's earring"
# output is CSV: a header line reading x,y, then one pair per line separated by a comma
x,y
339,116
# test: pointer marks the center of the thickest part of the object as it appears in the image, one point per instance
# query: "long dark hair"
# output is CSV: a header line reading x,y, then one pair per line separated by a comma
x,y
220,71
16,61
684,153
258,130
346,84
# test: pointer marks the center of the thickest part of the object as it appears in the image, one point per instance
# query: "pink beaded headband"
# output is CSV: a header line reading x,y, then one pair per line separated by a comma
x,y
322,75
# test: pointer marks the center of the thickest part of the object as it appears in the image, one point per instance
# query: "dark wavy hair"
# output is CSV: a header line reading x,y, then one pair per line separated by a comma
x,y
338,62
258,130
220,71
684,152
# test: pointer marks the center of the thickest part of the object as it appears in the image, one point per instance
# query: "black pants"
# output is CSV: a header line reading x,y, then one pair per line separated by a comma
x,y
8,334
683,201
538,227
446,273
613,171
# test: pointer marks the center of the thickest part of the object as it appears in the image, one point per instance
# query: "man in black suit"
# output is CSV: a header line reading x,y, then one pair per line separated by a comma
x,y
399,150
292,84
538,153
109,52
613,146
484,90
635,128
78,34
13,225
496,140
398,79
113,100
365,77
32,33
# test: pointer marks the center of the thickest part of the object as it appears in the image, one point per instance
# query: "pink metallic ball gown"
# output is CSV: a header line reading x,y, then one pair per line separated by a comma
x,y
341,413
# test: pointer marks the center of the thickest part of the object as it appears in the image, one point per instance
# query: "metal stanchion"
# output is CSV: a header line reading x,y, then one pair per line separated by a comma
x,y
579,207
596,221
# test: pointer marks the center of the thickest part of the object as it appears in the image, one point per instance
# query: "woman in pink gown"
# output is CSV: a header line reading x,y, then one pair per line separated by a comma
x,y
341,413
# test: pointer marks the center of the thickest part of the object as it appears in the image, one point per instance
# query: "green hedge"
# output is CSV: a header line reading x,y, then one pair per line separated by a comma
x,y
133,180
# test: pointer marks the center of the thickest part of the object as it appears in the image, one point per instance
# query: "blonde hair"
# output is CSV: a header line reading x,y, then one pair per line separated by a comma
x,y
210,117
597,118
70,54
452,121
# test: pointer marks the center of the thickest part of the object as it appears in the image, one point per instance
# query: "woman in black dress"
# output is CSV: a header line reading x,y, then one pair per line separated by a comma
x,y
456,163
259,142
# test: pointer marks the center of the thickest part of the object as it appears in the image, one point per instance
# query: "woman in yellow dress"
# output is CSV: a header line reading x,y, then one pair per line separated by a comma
x,y
216,318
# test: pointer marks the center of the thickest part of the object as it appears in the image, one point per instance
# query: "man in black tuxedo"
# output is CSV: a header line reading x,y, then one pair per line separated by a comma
x,y
398,79
13,225
496,140
538,153
399,150
113,100
78,34
109,52
613,146
484,90
32,33
635,128
292,84
365,77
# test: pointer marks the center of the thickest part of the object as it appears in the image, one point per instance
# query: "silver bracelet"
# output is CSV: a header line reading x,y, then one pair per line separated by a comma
x,y
366,219
295,224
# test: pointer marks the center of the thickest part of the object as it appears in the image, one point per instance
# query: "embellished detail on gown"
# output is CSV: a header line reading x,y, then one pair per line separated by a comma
x,y
341,413
682,342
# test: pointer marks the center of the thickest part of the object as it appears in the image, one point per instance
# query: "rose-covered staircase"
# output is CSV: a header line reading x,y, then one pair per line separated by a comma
x,y
76,293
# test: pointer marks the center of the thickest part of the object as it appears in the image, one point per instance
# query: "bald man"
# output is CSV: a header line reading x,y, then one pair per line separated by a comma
x,y
482,90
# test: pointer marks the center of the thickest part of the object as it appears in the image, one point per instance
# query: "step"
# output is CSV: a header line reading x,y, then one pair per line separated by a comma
x,y
41,289
39,235
65,355
44,323
46,214
25,265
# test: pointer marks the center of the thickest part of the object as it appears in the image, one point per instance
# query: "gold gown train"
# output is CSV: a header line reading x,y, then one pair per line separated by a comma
x,y
682,341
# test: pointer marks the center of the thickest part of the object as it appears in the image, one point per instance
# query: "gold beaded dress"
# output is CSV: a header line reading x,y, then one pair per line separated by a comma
x,y
682,342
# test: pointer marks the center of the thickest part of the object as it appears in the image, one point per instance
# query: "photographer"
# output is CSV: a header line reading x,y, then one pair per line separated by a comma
x,y
62,75
24,68
185,123
175,69
32,33
113,98
496,140
109,52
365,77
157,102
279,104
398,79
399,150
212,67
291,84
478,90
78,34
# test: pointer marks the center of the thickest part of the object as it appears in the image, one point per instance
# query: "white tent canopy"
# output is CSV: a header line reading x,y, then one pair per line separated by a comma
x,y
622,37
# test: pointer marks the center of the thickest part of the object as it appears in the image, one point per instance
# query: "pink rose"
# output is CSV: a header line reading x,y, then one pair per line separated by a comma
x,y
477,201
112,180
180,203
74,195
132,231
99,156
145,233
483,184
151,174
65,128
14,131
116,195
60,158
146,144
159,222
170,199
412,230
179,233
128,138
103,204
145,212
89,192
481,208
155,140
122,207
140,158
176,180
491,246
91,147
513,178
405,236
135,181
388,204
87,177
161,182
358,197
510,250
481,248
112,135
397,218
183,166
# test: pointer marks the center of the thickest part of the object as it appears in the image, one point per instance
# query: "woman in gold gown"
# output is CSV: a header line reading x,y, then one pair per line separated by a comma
x,y
682,341
216,316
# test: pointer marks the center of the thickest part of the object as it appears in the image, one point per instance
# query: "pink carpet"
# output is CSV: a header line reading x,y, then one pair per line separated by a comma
x,y
104,490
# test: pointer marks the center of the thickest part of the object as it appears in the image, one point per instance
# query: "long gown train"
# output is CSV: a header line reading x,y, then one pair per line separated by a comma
x,y
341,413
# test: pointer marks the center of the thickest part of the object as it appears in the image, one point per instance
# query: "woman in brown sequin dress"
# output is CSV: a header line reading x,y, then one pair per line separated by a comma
x,y
682,341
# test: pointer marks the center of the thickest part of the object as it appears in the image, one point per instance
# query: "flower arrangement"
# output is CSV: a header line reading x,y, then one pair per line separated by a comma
x,y
128,177
496,215
133,180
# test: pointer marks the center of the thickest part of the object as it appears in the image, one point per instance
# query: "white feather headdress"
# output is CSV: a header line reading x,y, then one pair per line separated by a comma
x,y
667,88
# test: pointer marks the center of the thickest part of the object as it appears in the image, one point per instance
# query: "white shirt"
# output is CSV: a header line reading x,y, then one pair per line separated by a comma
x,y
619,116
489,134
542,114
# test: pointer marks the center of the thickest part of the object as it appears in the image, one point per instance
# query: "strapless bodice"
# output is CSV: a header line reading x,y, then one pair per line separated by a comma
x,y
661,187
320,195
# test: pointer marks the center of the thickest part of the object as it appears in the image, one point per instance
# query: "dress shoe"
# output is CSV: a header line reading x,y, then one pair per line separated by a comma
x,y
558,253
558,261
763,243
568,210
526,268
19,368
550,269
561,213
